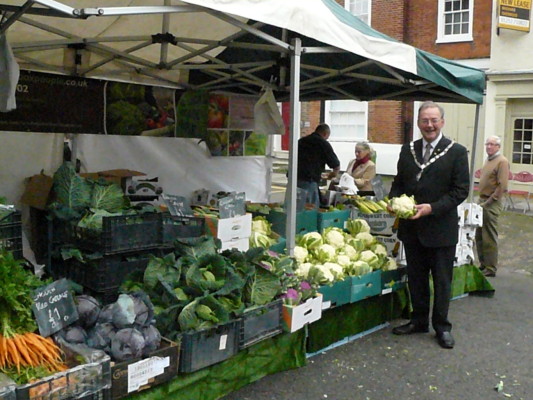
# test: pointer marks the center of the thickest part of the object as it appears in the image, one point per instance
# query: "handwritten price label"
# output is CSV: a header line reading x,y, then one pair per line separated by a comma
x,y
53,307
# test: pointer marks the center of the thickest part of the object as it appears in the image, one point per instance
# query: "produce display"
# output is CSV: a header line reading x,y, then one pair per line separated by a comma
x,y
366,205
24,355
124,329
262,234
196,287
334,255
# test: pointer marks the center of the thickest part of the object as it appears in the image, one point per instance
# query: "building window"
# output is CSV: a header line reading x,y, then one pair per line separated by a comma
x,y
523,141
359,8
347,120
455,20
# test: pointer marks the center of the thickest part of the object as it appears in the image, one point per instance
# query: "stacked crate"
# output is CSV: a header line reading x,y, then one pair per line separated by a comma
x,y
11,233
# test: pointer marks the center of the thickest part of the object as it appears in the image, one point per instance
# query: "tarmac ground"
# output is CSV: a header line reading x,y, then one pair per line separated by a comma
x,y
492,358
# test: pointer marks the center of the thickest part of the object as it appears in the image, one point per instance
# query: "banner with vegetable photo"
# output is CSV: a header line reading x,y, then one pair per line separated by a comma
x,y
192,114
71,98
217,142
139,110
255,144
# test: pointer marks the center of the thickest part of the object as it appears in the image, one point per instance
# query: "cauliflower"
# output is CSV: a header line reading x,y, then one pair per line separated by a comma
x,y
302,270
334,237
336,270
403,206
350,252
311,240
357,244
325,253
261,225
390,264
355,226
360,268
321,275
300,253
367,238
344,261
370,258
379,248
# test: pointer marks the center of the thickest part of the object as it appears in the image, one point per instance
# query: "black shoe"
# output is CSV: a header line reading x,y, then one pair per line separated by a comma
x,y
489,273
409,328
445,340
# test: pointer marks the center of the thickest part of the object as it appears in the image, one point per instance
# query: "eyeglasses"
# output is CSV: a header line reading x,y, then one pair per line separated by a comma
x,y
433,121
491,144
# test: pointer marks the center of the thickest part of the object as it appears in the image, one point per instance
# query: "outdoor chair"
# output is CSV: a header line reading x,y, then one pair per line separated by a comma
x,y
524,177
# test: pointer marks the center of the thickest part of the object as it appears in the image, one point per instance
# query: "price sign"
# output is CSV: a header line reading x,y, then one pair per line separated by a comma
x,y
53,307
232,205
177,205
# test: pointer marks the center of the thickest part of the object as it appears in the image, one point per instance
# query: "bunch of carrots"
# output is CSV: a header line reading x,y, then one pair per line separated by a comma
x,y
20,347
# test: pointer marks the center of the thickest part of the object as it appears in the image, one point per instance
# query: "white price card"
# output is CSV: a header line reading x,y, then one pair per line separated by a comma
x,y
223,342
141,372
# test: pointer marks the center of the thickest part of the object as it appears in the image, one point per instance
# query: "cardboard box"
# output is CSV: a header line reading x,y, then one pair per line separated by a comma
x,y
473,214
242,244
335,218
306,221
228,229
296,317
391,243
365,286
37,191
380,223
393,280
135,375
337,294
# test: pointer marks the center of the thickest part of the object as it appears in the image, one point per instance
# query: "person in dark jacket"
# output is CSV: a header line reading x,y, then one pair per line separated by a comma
x,y
314,153
435,170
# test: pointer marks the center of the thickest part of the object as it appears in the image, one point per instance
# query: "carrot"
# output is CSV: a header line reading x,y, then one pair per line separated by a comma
x,y
3,351
45,352
23,351
13,352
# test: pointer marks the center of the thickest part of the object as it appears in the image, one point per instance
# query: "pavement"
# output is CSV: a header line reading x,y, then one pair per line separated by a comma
x,y
492,358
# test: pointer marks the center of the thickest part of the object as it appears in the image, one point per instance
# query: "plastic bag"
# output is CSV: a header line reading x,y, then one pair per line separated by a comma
x,y
267,118
347,184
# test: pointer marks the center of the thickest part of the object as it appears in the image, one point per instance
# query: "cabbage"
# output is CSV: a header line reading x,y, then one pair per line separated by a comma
x,y
334,237
74,334
152,339
100,336
261,225
259,239
127,343
106,313
124,311
88,310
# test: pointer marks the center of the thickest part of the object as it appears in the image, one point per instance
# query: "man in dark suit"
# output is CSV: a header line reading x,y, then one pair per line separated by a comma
x,y
435,170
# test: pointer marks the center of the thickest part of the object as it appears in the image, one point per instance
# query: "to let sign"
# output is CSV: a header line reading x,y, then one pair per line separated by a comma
x,y
514,14
53,307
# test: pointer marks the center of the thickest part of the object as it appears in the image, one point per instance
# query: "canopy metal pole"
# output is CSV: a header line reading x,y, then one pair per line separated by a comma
x,y
473,158
293,145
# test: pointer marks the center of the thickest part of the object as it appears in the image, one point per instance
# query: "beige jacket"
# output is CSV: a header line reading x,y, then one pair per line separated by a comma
x,y
363,174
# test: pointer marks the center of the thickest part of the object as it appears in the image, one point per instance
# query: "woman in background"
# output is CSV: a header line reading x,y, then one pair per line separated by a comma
x,y
362,169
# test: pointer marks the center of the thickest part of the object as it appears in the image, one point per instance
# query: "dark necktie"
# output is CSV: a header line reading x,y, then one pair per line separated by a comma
x,y
427,154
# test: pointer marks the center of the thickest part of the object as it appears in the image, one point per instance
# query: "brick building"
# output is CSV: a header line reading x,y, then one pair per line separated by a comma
x,y
459,30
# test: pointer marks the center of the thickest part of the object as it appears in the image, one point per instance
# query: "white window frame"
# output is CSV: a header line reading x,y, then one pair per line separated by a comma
x,y
462,37
354,139
369,2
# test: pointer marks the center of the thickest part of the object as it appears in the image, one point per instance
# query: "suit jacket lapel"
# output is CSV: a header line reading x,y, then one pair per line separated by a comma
x,y
418,150
443,143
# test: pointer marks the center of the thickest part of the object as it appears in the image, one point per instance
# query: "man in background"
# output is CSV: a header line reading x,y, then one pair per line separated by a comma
x,y
314,153
492,186
434,170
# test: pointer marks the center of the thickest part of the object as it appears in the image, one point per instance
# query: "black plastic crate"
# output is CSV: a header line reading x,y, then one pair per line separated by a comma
x,y
11,238
209,346
104,297
106,273
181,227
260,323
119,234
104,394
10,218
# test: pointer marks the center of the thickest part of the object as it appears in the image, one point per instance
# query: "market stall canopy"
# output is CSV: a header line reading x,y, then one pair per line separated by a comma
x,y
237,46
